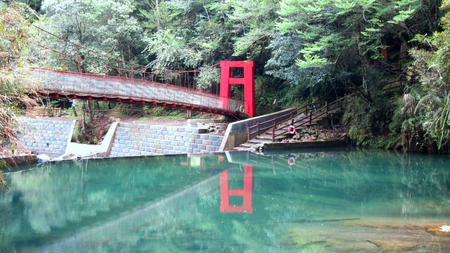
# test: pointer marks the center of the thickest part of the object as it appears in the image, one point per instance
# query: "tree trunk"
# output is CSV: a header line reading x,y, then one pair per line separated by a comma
x,y
364,66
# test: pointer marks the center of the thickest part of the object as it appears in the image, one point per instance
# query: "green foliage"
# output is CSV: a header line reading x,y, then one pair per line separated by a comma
x,y
342,40
208,77
301,84
369,122
171,51
14,39
183,34
254,22
304,50
107,30
432,70
334,32
271,96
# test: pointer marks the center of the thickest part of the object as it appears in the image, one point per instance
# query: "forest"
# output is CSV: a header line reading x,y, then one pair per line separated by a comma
x,y
388,56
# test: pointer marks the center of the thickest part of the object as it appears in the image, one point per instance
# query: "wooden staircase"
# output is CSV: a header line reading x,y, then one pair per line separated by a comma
x,y
276,130
391,68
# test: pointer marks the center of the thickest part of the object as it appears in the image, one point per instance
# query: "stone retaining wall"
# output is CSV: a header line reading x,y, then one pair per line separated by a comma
x,y
141,139
46,136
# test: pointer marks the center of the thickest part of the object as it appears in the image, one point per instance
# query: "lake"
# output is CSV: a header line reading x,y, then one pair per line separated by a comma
x,y
331,200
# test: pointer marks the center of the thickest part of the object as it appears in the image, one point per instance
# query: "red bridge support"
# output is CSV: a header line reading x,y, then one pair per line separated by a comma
x,y
226,80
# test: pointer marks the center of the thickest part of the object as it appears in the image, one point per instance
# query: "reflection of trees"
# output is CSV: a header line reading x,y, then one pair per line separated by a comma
x,y
319,185
333,185
55,196
369,181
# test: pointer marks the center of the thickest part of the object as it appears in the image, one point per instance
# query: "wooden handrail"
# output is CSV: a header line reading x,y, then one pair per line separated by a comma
x,y
309,111
309,118
262,127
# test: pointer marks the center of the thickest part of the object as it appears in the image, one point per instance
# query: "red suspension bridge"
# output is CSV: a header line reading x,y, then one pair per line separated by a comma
x,y
131,83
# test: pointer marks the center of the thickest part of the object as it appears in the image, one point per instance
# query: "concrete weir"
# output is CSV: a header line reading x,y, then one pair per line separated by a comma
x,y
85,150
53,137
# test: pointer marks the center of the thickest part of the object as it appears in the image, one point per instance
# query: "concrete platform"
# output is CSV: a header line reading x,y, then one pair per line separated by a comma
x,y
297,145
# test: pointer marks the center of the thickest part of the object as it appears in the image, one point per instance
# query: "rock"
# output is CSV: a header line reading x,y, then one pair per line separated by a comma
x,y
43,158
443,230
69,156
394,246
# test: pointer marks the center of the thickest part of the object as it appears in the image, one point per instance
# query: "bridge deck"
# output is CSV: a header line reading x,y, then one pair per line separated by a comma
x,y
130,90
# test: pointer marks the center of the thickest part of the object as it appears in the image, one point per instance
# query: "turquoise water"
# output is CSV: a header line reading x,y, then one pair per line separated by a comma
x,y
295,201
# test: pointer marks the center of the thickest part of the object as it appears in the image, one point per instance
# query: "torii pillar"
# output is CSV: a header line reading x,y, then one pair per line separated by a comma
x,y
226,80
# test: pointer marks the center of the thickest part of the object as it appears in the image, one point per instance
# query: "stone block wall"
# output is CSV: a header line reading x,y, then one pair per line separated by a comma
x,y
141,139
46,136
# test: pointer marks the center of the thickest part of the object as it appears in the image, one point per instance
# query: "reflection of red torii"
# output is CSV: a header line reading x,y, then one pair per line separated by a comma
x,y
226,80
246,192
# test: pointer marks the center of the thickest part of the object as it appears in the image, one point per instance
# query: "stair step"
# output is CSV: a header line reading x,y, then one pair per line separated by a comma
x,y
241,149
246,145
268,138
259,141
282,133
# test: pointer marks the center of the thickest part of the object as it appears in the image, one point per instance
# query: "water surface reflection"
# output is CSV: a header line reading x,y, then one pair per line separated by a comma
x,y
324,201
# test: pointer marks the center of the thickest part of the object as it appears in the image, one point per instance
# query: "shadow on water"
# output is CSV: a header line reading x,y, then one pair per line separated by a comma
x,y
300,200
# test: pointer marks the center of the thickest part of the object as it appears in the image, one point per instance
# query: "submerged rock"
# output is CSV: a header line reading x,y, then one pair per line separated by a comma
x,y
394,246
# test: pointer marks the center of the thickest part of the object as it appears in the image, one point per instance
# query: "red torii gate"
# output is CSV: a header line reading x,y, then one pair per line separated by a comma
x,y
226,80
246,193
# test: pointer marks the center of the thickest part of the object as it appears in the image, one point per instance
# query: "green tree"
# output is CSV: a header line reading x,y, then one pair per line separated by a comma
x,y
102,32
432,68
336,33
34,4
199,34
102,37
15,36
14,54
183,34
344,40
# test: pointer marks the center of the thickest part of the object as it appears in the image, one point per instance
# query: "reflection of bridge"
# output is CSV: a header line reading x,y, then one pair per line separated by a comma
x,y
154,215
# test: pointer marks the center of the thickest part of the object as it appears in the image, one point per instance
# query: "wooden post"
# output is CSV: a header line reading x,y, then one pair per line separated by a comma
x,y
273,129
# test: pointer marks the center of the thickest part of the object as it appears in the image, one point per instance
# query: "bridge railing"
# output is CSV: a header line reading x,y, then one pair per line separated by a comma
x,y
93,86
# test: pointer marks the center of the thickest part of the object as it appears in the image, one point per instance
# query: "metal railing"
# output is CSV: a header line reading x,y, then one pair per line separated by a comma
x,y
93,86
